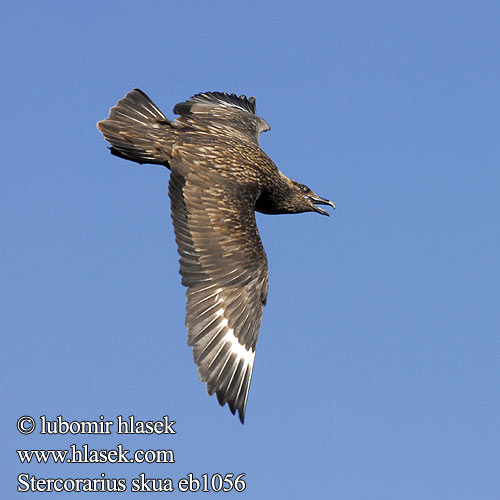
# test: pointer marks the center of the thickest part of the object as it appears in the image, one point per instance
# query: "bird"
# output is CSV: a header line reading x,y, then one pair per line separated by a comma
x,y
219,178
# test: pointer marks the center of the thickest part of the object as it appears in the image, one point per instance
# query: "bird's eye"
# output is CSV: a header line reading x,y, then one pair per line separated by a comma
x,y
303,188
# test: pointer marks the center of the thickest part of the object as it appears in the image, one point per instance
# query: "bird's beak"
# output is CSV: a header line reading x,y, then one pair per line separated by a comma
x,y
317,200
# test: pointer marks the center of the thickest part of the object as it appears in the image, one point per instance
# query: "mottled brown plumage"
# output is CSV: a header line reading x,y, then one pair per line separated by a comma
x,y
219,178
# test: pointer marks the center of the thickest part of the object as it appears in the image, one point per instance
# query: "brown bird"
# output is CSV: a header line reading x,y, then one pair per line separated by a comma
x,y
219,178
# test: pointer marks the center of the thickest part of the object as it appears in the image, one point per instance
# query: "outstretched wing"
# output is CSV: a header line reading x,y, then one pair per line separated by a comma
x,y
224,266
219,113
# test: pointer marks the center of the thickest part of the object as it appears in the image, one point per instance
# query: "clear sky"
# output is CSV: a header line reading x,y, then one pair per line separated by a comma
x,y
377,369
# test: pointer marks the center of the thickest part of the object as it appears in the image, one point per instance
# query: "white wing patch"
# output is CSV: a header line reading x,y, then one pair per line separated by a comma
x,y
243,355
240,350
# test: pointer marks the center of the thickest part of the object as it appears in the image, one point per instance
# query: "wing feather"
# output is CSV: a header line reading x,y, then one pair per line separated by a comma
x,y
223,114
224,266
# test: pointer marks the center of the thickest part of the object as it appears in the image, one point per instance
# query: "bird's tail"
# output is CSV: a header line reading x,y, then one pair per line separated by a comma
x,y
137,130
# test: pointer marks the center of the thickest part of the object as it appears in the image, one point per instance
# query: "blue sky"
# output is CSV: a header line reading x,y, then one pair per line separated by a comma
x,y
377,370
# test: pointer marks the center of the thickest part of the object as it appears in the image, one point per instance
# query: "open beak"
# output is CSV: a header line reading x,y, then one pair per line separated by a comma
x,y
317,200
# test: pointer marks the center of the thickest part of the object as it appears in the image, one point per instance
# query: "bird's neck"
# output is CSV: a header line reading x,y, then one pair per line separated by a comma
x,y
275,198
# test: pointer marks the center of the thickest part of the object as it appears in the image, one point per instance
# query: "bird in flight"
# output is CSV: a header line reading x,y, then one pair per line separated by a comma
x,y
219,178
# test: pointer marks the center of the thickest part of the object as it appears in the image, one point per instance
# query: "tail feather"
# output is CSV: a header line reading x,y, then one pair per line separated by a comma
x,y
137,130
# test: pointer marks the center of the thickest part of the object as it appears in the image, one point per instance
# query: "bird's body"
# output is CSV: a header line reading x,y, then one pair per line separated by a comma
x,y
219,178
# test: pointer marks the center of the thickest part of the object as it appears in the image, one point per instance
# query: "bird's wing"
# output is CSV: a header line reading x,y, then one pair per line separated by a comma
x,y
224,266
223,114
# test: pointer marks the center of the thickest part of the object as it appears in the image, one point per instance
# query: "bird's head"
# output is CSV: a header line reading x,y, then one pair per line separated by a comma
x,y
304,199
